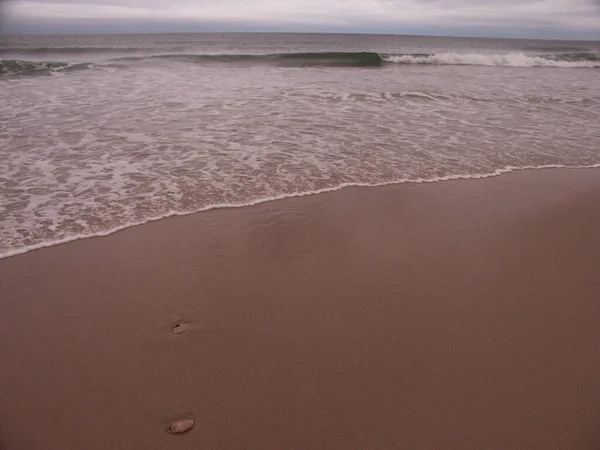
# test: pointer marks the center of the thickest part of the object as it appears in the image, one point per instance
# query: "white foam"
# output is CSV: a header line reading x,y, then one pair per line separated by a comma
x,y
478,59
105,233
92,153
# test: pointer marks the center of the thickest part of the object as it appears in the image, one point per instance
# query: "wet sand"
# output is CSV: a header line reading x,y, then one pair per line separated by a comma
x,y
454,315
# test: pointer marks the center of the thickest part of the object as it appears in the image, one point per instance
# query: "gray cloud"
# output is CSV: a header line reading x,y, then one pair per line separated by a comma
x,y
543,18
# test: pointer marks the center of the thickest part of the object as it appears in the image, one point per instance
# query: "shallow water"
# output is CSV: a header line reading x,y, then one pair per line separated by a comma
x,y
102,132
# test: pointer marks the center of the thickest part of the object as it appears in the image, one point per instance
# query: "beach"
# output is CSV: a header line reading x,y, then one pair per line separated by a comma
x,y
458,315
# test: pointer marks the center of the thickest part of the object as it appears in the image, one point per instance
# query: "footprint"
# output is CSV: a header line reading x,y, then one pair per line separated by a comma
x,y
181,426
180,328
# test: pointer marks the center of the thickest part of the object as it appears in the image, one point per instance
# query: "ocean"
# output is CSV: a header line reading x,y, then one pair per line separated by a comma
x,y
102,132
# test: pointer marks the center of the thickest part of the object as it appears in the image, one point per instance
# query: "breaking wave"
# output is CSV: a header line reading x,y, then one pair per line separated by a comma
x,y
372,59
563,60
15,67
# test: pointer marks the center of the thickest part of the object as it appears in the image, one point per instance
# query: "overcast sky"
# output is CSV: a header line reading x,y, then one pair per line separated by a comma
x,y
575,19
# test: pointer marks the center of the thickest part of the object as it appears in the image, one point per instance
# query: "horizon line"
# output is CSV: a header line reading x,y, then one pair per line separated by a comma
x,y
363,33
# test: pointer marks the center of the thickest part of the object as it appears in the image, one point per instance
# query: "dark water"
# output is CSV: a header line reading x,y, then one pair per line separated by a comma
x,y
102,132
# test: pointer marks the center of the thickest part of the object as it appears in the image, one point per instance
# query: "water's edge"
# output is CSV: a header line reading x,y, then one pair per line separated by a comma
x,y
498,172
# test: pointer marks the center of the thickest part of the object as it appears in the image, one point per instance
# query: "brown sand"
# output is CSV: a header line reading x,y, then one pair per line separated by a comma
x,y
455,315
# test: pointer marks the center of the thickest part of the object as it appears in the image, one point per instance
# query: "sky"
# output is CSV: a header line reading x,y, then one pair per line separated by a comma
x,y
552,19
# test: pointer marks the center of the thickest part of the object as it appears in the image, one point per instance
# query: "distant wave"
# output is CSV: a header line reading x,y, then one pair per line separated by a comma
x,y
562,60
15,67
372,59
329,59
41,51
309,58
576,56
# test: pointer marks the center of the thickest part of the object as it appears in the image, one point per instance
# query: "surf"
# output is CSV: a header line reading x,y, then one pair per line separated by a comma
x,y
565,60
16,67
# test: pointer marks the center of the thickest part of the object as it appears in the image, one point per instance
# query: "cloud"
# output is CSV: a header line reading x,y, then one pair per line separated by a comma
x,y
547,18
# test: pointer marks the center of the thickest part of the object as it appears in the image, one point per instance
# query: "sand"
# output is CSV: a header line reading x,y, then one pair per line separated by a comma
x,y
453,315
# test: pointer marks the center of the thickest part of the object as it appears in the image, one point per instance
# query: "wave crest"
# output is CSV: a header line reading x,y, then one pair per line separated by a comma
x,y
16,67
372,59
567,60
327,59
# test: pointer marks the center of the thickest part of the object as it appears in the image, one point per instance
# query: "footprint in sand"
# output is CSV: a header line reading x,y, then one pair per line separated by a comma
x,y
181,426
180,328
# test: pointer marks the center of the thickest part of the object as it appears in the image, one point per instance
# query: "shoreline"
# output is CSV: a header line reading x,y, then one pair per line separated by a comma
x,y
496,173
455,315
